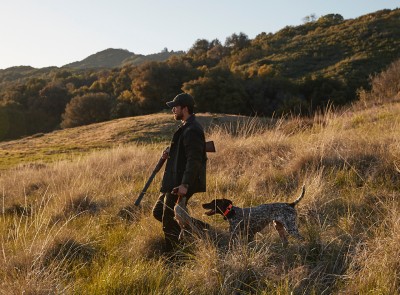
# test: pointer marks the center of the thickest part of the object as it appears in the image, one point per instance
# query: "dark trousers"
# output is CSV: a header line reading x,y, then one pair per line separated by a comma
x,y
163,211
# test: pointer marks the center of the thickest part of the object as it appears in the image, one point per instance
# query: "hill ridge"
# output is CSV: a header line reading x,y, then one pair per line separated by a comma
x,y
147,129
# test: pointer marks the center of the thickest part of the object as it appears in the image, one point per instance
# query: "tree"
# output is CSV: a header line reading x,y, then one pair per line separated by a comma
x,y
158,82
87,109
320,91
122,81
216,51
237,42
12,122
126,105
199,48
49,106
15,95
310,18
219,91
268,94
53,98
332,18
205,53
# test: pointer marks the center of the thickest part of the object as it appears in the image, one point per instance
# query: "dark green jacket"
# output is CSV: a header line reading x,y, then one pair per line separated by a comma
x,y
187,159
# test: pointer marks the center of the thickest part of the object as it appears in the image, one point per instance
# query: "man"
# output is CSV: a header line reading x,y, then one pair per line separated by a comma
x,y
185,171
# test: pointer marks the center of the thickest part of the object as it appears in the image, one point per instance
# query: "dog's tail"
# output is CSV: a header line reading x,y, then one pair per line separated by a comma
x,y
299,198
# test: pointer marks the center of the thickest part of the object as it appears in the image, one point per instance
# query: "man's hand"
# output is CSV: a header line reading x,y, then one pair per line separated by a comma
x,y
165,153
180,190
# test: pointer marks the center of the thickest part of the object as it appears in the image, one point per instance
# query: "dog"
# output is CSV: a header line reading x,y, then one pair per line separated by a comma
x,y
246,222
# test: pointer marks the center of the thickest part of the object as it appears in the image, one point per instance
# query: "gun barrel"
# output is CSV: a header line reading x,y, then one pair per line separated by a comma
x,y
150,180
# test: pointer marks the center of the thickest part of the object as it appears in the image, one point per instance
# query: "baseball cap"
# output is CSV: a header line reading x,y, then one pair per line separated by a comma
x,y
182,99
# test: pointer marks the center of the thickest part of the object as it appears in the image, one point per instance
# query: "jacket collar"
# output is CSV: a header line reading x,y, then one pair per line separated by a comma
x,y
189,120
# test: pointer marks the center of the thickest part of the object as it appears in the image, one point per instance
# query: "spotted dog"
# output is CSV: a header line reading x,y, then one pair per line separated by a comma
x,y
246,222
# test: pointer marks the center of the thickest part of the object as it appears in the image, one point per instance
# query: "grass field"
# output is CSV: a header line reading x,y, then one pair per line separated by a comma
x,y
62,231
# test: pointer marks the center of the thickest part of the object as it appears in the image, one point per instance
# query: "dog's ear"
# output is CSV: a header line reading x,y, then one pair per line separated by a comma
x,y
209,204
227,202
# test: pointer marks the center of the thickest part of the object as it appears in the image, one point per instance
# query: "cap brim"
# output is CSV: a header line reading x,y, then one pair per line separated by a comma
x,y
171,104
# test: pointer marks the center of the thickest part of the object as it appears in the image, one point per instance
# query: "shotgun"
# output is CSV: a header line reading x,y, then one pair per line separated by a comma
x,y
210,148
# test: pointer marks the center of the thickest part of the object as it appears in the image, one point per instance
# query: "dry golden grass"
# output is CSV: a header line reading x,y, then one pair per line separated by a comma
x,y
69,143
62,231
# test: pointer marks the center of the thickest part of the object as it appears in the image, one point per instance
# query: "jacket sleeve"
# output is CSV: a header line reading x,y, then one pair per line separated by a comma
x,y
194,143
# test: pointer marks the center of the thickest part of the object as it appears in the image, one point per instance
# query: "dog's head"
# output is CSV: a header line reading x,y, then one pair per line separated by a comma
x,y
217,206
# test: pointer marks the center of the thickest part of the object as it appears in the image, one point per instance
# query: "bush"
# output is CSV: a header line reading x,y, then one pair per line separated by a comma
x,y
87,109
385,86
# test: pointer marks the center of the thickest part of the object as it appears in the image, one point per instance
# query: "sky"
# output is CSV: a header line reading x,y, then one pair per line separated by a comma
x,y
42,33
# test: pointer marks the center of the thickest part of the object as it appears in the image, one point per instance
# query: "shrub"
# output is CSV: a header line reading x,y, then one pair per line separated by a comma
x,y
87,109
384,86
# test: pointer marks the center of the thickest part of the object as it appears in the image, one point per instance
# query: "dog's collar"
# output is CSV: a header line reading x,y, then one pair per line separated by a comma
x,y
227,212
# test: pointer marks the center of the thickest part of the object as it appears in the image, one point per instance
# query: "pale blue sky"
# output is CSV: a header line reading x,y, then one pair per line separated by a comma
x,y
44,33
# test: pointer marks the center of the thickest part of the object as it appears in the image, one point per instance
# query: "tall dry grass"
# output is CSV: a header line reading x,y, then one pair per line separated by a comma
x,y
62,231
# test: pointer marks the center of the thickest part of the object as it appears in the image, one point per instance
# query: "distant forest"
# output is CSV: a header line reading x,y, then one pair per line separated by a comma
x,y
299,69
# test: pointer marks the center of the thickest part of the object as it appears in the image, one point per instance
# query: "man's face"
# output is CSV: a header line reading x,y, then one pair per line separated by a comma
x,y
178,113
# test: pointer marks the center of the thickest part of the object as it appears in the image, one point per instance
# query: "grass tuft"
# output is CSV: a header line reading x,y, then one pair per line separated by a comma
x,y
68,251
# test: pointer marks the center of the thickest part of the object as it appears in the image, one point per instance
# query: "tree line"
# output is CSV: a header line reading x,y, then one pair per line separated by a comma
x,y
290,71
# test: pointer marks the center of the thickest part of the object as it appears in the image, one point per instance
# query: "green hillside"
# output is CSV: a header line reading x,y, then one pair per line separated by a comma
x,y
297,70
332,47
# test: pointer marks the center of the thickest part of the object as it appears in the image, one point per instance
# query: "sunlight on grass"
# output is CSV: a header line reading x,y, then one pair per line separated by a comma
x,y
62,231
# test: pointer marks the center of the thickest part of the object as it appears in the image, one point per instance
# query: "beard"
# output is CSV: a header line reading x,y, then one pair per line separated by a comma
x,y
178,117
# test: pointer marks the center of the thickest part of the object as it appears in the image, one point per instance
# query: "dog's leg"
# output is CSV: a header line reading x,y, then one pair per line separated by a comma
x,y
291,228
182,216
295,233
290,225
282,233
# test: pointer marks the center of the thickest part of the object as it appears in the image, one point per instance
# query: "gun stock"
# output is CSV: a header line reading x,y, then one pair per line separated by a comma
x,y
210,147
